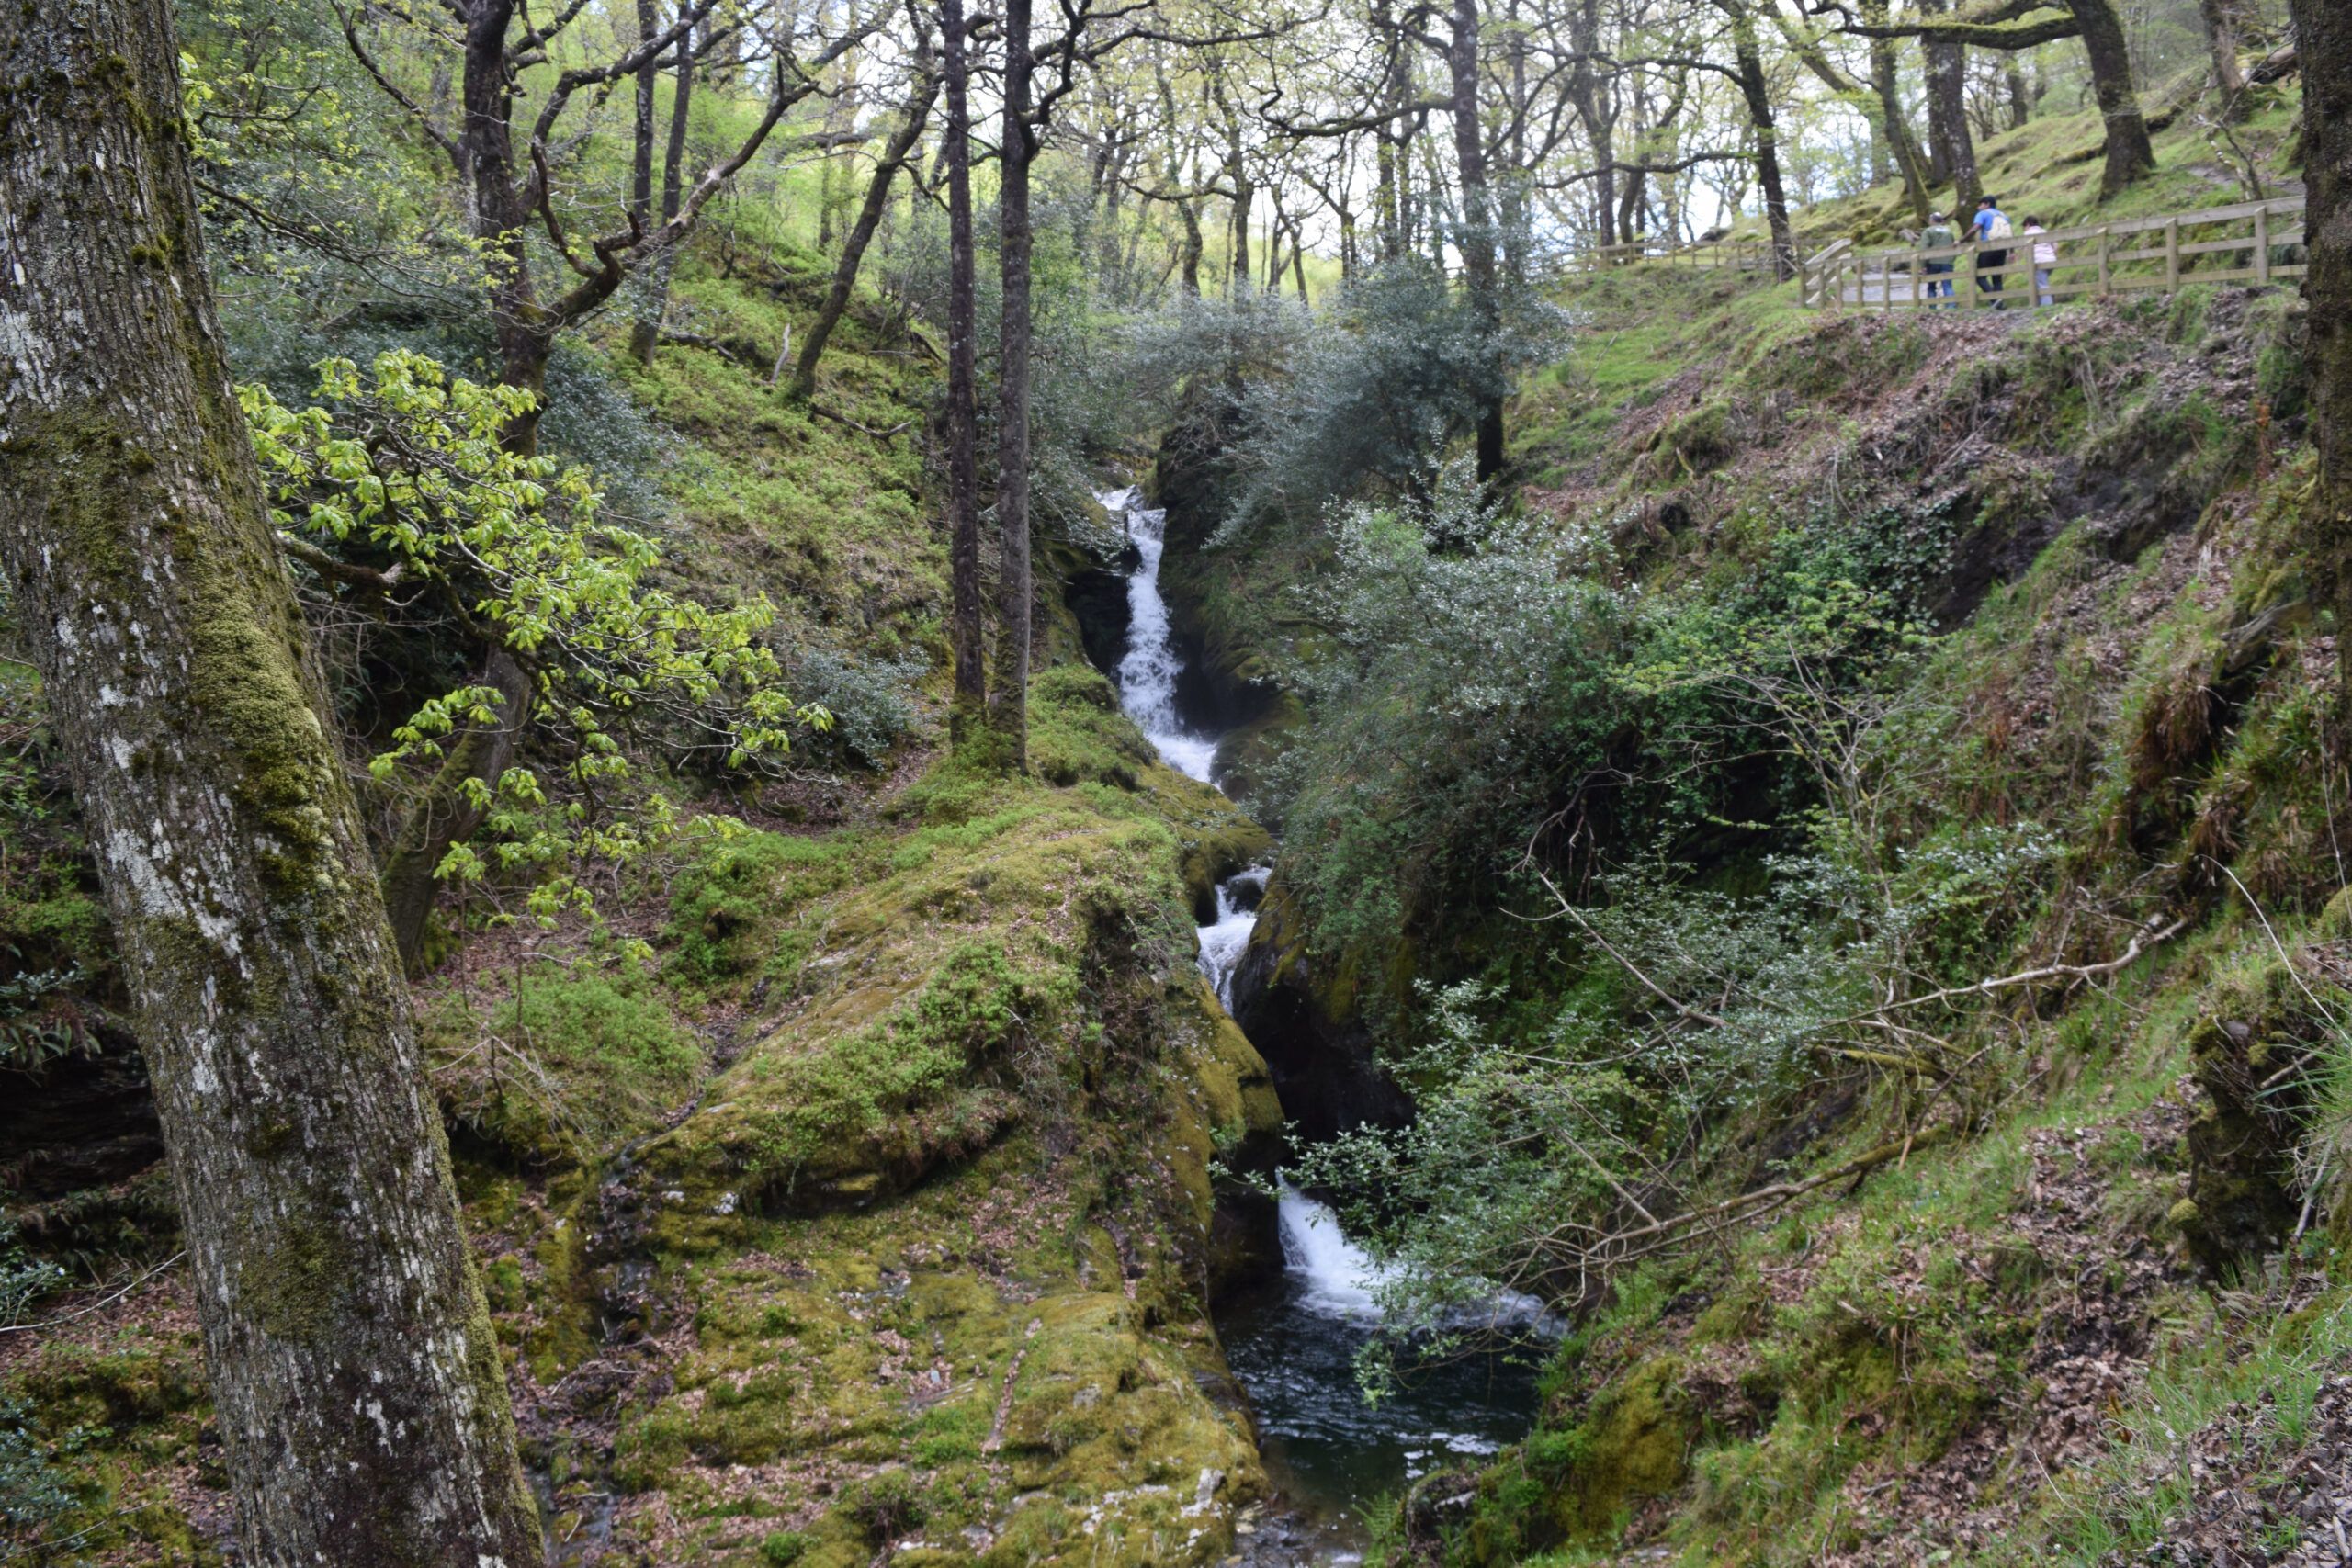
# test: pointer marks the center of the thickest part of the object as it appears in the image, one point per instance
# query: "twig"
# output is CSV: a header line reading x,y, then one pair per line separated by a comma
x,y
823,413
94,1306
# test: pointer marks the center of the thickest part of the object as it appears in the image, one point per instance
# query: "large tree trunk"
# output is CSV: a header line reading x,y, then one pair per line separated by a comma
x,y
869,216
1009,696
2323,41
356,1378
1755,88
500,217
1584,95
1886,81
1391,162
966,630
2130,154
1477,224
1953,150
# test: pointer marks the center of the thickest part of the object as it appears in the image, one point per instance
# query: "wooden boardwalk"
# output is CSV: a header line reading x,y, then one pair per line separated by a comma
x,y
2252,242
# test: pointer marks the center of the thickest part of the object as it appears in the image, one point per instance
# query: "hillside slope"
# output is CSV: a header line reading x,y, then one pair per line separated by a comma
x,y
2076,1291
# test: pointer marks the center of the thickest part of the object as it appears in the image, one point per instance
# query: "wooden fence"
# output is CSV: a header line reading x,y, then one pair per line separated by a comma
x,y
2253,241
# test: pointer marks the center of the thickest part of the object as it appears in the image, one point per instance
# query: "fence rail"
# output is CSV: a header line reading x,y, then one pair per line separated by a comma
x,y
2250,242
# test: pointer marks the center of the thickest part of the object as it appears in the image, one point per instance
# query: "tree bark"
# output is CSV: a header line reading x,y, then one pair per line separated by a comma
x,y
674,160
1755,90
357,1381
1009,694
2222,35
966,630
1953,150
2130,153
1477,226
1886,81
643,334
2323,42
869,216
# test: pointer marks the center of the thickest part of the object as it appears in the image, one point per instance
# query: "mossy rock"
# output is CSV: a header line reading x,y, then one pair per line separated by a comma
x,y
2254,1026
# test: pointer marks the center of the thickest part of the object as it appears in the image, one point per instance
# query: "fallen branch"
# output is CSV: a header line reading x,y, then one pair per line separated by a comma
x,y
98,1305
2145,938
341,571
822,411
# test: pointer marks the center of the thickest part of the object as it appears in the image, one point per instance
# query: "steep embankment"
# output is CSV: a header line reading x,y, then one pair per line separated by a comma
x,y
849,1190
2091,1238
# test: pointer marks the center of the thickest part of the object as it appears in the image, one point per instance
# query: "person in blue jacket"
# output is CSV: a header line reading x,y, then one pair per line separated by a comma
x,y
1991,224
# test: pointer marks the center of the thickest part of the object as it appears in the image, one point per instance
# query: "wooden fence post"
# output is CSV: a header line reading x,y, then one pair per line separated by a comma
x,y
2105,278
2172,255
2262,244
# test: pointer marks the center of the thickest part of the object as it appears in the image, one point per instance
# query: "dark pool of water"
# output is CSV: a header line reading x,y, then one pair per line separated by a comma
x,y
1326,1451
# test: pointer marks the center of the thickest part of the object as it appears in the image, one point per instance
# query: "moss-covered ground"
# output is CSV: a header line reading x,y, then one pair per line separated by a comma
x,y
850,1184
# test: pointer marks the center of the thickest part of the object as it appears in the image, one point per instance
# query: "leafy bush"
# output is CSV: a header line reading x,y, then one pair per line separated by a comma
x,y
869,700
1365,395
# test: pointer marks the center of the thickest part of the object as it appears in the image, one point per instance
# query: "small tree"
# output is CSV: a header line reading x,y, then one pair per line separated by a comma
x,y
406,495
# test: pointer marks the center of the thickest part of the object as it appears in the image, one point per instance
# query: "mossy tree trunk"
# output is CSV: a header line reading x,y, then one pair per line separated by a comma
x,y
1951,147
646,331
353,1368
968,630
643,334
1009,688
2129,153
2323,41
869,218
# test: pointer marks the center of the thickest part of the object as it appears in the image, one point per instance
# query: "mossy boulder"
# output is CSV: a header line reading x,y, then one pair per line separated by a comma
x,y
1577,1483
2252,1031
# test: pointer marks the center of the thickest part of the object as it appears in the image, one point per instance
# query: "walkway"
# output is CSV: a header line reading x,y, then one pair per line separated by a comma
x,y
2259,242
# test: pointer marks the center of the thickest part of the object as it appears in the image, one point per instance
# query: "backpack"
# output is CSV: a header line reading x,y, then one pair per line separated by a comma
x,y
1999,227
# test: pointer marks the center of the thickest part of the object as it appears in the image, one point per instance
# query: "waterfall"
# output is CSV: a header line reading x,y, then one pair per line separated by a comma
x,y
1148,674
1335,1278
1226,939
1294,1349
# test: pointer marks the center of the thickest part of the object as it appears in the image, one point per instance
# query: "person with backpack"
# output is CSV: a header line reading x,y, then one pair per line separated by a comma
x,y
1992,224
1937,235
2045,257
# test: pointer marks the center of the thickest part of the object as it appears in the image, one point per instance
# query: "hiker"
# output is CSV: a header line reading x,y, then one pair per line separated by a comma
x,y
1992,224
2045,257
1937,235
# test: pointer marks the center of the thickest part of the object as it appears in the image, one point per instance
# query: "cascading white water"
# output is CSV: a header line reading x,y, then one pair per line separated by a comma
x,y
1147,674
1294,1348
1335,1278
1226,939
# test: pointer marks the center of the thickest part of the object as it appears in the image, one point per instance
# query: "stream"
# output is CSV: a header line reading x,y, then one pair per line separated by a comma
x,y
1293,1341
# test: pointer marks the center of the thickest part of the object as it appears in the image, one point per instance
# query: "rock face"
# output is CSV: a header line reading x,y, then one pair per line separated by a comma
x,y
1304,1022
2251,1036
926,1266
